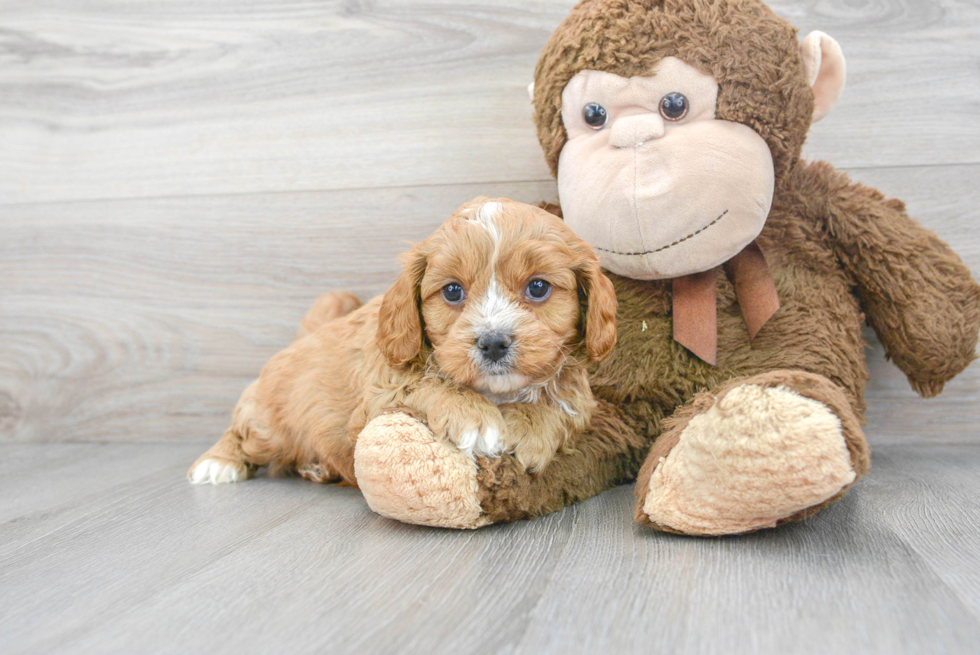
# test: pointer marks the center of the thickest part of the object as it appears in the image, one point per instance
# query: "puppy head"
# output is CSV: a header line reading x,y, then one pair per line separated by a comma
x,y
501,296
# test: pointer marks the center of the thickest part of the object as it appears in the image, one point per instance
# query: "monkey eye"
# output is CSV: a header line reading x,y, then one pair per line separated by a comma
x,y
453,293
595,115
674,106
538,290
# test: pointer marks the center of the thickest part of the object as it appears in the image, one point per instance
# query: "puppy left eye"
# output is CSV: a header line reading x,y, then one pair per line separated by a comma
x,y
453,293
538,290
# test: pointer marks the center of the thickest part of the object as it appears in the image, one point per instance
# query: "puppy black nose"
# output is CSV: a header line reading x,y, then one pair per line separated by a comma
x,y
494,345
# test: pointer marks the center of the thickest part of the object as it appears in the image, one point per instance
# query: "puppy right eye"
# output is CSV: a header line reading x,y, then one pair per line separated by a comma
x,y
453,293
538,290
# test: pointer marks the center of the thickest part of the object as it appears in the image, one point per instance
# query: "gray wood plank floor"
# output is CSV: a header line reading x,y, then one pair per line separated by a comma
x,y
179,180
105,548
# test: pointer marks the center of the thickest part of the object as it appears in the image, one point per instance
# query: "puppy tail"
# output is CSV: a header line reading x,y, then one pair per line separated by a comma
x,y
325,309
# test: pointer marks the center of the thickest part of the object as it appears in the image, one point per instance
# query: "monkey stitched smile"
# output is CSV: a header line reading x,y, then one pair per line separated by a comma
x,y
669,245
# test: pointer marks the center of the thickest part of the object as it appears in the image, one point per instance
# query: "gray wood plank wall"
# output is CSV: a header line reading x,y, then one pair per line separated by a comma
x,y
179,180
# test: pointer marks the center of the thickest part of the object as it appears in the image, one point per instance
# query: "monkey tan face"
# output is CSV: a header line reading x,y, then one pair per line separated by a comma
x,y
652,179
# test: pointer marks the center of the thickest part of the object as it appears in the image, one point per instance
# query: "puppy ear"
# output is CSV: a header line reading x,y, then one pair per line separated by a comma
x,y
400,318
600,316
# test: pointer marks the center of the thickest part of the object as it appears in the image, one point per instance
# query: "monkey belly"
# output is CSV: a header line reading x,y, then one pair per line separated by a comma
x,y
817,329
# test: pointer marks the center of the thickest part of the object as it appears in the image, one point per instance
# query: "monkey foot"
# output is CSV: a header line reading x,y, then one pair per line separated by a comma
x,y
406,474
758,456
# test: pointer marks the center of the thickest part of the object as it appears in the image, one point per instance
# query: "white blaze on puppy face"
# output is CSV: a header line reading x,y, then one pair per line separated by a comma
x,y
657,197
497,311
493,253
486,215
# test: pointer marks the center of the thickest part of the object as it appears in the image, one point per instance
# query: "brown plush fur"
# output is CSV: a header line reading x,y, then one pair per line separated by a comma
x,y
609,454
839,252
413,351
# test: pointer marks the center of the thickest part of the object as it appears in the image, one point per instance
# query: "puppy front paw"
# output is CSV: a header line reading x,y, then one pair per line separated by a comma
x,y
477,431
484,440
216,471
535,433
533,454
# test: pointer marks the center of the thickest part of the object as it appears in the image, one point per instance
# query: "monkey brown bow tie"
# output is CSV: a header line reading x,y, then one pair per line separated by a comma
x,y
695,301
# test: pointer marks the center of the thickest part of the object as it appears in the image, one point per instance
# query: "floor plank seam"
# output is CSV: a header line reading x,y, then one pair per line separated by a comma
x,y
429,583
116,612
925,562
247,194
93,513
968,605
396,187
576,514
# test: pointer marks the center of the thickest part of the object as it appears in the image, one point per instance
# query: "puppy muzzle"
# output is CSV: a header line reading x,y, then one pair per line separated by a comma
x,y
494,347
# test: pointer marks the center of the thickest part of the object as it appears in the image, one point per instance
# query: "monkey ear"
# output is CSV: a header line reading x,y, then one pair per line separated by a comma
x,y
825,69
530,92
600,317
399,334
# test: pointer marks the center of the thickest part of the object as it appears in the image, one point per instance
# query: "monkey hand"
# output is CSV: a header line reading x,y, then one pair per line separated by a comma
x,y
408,474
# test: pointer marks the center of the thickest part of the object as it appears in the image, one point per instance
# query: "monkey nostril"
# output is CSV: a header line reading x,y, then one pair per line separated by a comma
x,y
494,345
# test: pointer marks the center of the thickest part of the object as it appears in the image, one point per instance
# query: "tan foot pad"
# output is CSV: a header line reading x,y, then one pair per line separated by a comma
x,y
406,474
757,456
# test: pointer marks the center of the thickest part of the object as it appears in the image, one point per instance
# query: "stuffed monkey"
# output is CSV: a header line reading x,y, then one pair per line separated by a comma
x,y
743,273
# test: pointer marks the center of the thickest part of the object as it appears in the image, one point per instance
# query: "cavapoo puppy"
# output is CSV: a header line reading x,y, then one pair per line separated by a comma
x,y
485,336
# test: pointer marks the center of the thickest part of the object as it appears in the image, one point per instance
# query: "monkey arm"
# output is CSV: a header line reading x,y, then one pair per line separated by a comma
x,y
537,431
407,473
919,296
609,453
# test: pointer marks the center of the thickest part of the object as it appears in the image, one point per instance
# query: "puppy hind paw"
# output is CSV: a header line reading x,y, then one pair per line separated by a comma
x,y
316,472
216,471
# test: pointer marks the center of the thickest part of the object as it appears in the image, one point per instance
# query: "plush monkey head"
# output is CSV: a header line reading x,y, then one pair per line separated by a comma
x,y
669,124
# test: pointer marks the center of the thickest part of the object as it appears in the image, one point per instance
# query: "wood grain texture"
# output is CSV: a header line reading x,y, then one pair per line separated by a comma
x,y
142,320
153,564
926,494
140,315
843,582
112,99
179,180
